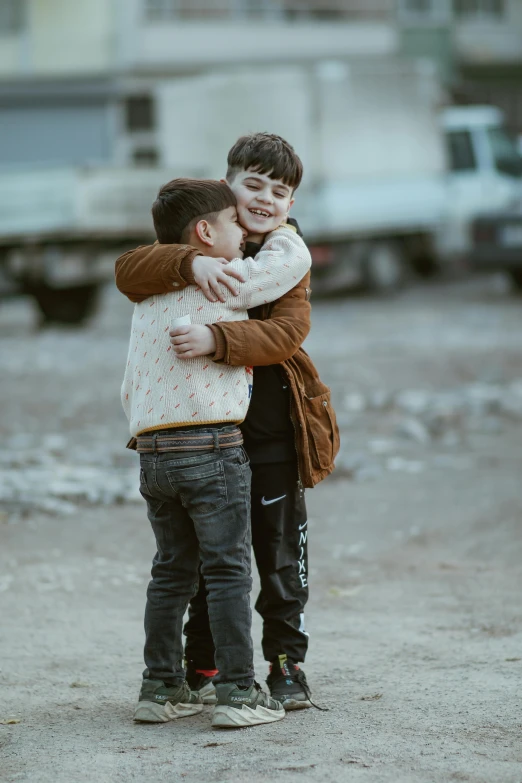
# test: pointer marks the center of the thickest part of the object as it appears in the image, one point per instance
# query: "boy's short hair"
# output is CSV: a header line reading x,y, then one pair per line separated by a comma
x,y
268,154
183,202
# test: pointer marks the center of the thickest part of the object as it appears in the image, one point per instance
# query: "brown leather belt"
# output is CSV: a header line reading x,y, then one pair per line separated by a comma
x,y
186,441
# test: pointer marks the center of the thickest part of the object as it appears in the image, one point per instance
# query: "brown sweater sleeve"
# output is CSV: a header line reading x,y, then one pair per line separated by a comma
x,y
258,343
154,269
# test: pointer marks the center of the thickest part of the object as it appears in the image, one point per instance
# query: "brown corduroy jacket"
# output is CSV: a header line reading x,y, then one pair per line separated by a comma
x,y
275,339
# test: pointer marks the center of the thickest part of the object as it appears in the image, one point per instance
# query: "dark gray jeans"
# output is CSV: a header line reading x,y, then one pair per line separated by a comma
x,y
198,504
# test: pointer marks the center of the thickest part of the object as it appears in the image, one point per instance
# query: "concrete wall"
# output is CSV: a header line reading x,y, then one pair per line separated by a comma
x,y
430,42
195,45
60,37
484,40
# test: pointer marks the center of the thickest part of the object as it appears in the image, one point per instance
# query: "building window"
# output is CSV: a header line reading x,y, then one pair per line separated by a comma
x,y
489,9
460,151
336,9
145,156
162,10
421,7
13,17
139,113
424,11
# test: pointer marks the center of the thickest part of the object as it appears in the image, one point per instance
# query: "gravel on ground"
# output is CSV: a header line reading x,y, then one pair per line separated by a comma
x,y
414,617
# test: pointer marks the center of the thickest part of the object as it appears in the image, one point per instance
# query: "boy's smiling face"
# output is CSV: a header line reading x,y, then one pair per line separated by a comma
x,y
262,203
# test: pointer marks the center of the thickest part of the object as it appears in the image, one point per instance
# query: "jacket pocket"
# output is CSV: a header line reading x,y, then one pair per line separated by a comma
x,y
323,434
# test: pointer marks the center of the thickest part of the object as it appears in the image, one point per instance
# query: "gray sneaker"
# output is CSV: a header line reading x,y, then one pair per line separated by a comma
x,y
159,703
202,686
237,707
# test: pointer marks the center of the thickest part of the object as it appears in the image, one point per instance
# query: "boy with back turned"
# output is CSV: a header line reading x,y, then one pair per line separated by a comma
x,y
290,432
194,473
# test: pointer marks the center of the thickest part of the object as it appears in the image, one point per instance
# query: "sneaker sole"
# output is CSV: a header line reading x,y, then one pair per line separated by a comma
x,y
207,694
150,712
225,717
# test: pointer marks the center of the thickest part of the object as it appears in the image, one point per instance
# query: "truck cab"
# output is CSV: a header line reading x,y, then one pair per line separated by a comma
x,y
484,173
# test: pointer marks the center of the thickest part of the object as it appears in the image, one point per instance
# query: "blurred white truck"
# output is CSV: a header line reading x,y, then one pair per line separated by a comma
x,y
392,178
61,230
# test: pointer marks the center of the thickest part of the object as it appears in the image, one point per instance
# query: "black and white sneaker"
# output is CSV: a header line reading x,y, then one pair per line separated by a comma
x,y
287,683
159,703
238,707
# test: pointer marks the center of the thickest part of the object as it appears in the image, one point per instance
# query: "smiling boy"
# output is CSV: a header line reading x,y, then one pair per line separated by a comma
x,y
289,433
264,200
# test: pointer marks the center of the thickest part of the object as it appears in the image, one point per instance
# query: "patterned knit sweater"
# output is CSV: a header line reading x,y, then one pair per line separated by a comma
x,y
161,391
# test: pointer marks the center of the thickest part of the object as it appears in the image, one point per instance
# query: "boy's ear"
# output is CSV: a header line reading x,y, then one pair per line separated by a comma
x,y
204,232
290,205
224,180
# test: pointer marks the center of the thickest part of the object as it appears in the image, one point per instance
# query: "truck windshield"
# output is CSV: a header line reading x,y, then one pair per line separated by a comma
x,y
505,154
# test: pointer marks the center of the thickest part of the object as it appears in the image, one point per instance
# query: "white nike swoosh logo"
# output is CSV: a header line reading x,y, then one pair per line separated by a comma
x,y
302,526
269,502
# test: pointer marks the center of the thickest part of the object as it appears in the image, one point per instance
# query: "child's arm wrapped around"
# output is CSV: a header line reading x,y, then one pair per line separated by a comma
x,y
160,268
284,326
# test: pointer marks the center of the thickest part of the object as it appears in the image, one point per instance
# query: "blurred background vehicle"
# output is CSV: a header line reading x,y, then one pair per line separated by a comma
x,y
62,228
497,244
389,102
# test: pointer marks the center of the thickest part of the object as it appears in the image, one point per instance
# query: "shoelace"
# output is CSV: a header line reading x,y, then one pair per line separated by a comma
x,y
299,676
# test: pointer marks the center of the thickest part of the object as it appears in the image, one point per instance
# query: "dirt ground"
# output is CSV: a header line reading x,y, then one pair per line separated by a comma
x,y
415,617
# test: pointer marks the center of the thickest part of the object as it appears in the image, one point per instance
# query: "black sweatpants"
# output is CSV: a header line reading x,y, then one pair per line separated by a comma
x,y
279,539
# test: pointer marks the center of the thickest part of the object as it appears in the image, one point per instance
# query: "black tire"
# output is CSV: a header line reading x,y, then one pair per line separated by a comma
x,y
66,305
516,278
425,267
384,267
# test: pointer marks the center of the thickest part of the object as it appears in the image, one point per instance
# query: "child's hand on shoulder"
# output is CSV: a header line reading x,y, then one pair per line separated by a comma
x,y
192,340
211,273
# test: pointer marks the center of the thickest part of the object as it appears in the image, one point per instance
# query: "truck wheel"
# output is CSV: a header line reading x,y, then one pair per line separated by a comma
x,y
425,266
384,267
66,305
516,277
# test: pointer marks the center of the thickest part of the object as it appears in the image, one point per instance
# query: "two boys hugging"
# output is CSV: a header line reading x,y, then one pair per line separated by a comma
x,y
213,488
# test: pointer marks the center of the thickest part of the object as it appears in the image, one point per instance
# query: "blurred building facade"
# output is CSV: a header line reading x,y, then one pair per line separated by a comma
x,y
488,42
77,79
477,45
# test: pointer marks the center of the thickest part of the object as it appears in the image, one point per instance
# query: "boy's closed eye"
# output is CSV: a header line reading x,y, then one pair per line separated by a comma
x,y
277,193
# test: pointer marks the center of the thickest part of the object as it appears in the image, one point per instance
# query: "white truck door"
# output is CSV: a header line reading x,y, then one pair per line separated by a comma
x,y
482,172
503,166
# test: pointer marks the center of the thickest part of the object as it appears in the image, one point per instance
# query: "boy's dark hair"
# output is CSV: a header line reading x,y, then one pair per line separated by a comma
x,y
183,202
268,154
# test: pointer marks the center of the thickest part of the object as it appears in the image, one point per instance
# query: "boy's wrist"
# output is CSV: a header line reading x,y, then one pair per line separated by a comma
x,y
185,268
221,345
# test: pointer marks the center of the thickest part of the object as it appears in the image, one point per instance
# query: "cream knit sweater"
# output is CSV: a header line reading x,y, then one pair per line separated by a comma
x,y
161,391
